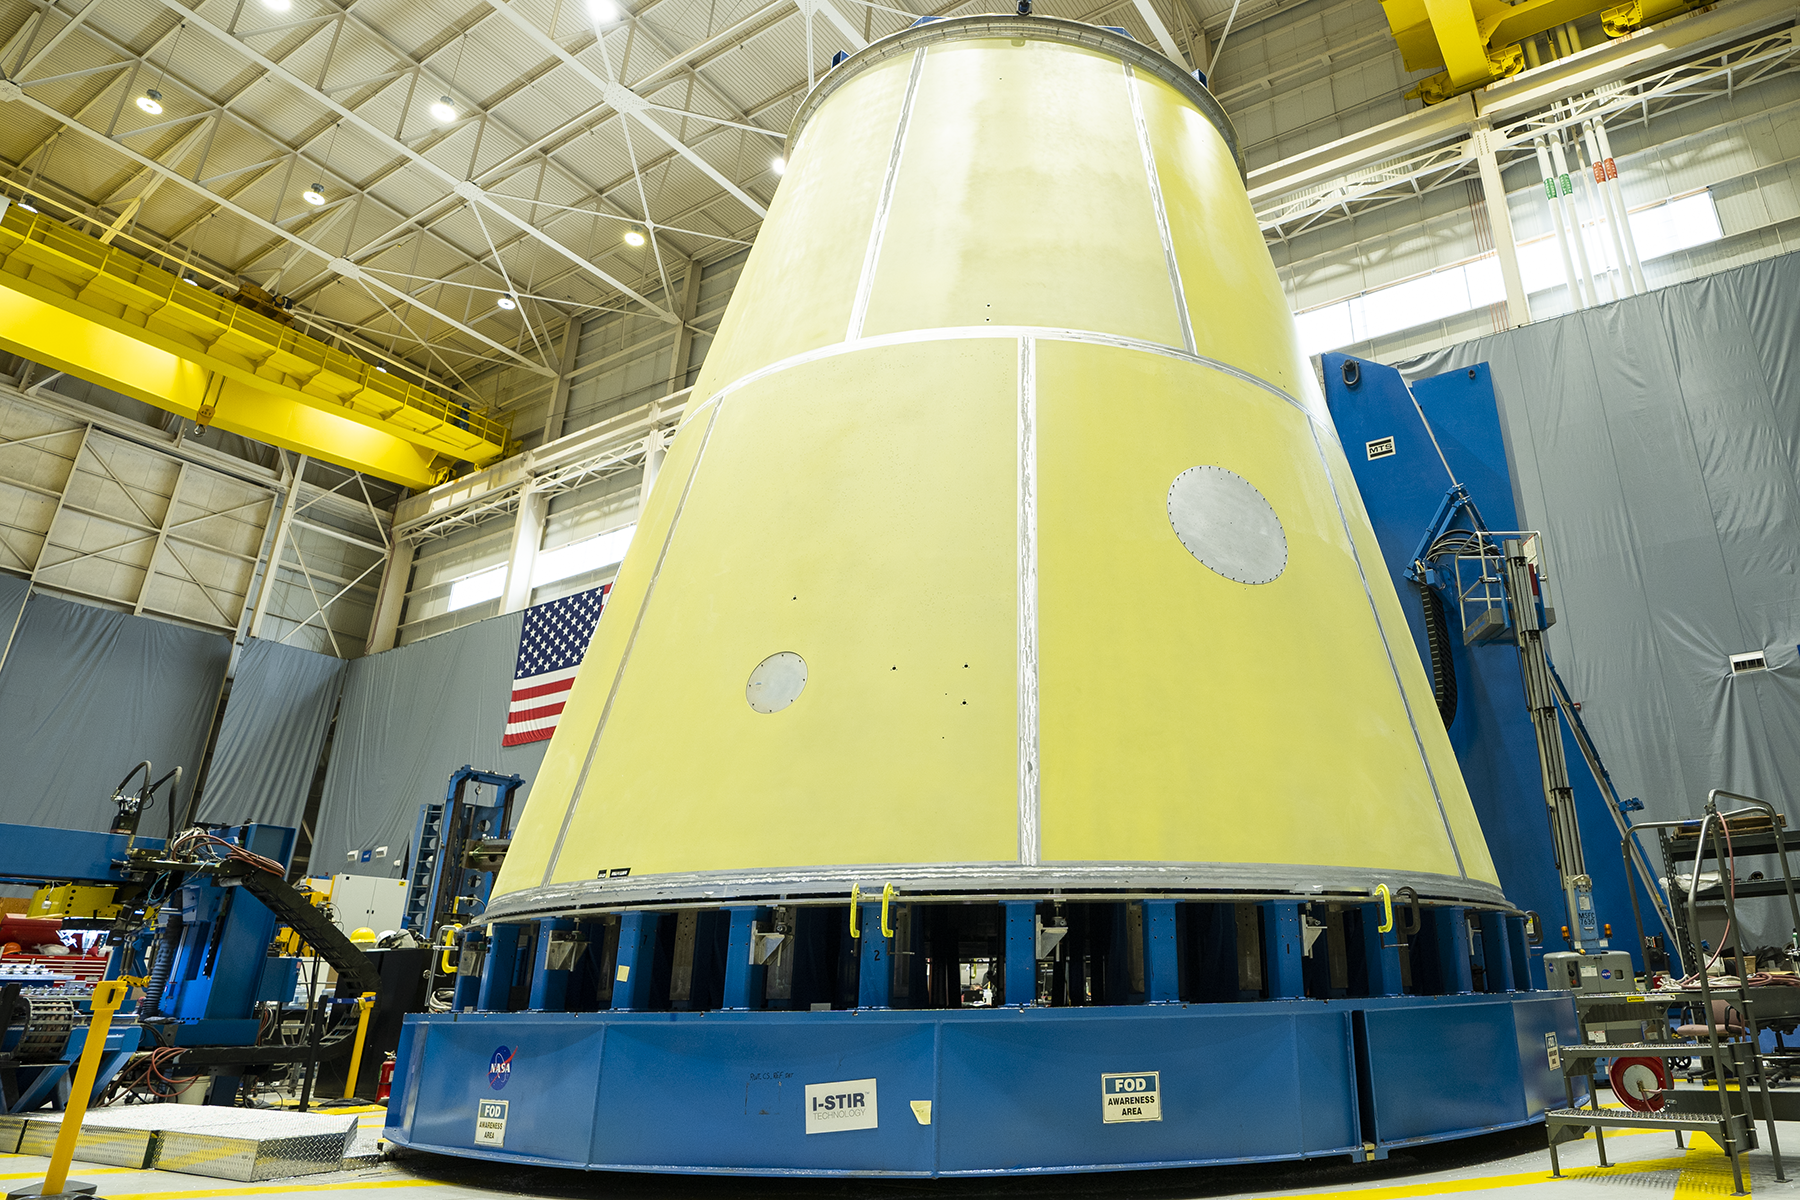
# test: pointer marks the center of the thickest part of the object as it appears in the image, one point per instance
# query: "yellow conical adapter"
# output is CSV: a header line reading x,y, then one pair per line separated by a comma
x,y
1006,544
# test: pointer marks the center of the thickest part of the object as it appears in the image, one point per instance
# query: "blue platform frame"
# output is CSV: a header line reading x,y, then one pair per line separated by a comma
x,y
1011,1090
1492,735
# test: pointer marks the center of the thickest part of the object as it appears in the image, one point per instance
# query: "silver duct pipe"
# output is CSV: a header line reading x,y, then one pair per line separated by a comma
x,y
1618,190
1576,300
1615,216
1566,193
1597,203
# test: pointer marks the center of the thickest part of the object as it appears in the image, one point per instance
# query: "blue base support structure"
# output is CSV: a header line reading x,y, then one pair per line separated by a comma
x,y
953,1092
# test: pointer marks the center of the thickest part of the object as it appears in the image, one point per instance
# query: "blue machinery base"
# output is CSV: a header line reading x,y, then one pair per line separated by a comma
x,y
1010,1089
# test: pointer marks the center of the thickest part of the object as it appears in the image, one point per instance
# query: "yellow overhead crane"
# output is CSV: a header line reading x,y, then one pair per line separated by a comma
x,y
98,313
1479,41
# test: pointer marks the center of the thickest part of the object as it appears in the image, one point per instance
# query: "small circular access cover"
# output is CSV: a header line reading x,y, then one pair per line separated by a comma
x,y
777,682
1225,523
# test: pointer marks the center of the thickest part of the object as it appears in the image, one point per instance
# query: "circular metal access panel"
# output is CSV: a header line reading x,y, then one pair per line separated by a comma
x,y
776,682
1227,524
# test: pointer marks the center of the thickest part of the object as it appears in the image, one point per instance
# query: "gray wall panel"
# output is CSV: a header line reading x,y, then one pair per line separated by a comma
x,y
269,740
409,717
1656,442
84,694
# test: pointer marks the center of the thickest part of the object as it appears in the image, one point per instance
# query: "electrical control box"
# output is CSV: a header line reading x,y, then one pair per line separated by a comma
x,y
1606,971
367,902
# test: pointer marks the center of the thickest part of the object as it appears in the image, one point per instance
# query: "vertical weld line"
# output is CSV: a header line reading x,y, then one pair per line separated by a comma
x,y
865,284
1399,685
1029,791
630,643
1162,212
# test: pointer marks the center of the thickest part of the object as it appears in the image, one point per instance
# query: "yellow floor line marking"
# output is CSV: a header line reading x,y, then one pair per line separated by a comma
x,y
1446,1187
1707,1170
352,1185
74,1169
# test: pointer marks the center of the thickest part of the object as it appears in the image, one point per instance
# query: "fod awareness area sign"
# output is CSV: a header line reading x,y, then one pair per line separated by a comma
x,y
1131,1097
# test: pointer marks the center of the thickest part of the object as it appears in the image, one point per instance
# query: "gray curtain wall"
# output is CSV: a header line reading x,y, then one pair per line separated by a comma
x,y
409,718
1655,442
84,694
13,591
270,736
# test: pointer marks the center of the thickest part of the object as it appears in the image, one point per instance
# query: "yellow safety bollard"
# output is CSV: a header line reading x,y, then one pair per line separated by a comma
x,y
107,998
365,1003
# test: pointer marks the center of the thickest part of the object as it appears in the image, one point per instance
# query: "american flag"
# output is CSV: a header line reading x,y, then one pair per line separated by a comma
x,y
551,647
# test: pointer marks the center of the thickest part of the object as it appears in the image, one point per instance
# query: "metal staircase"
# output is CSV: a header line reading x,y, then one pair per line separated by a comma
x,y
427,838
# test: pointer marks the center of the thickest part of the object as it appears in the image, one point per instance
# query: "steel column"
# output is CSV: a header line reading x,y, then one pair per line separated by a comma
x,y
550,985
1021,953
1380,958
1493,190
559,395
874,972
743,975
528,535
1282,950
637,960
1496,955
290,501
1162,953
384,629
1450,926
1519,950
497,972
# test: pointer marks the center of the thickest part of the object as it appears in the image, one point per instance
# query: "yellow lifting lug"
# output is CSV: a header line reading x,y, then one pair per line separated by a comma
x,y
450,932
1387,908
855,899
888,892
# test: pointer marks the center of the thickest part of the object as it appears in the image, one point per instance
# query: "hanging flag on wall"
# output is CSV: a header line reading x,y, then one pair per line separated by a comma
x,y
551,646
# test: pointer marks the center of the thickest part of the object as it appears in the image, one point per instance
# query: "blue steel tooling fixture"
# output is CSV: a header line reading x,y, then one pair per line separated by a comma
x,y
196,915
1431,465
456,846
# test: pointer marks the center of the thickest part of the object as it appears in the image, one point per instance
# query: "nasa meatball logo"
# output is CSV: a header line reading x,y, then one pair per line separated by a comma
x,y
500,1068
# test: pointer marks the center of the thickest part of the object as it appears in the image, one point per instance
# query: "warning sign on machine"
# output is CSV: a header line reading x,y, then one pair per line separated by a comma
x,y
1131,1097
490,1122
834,1107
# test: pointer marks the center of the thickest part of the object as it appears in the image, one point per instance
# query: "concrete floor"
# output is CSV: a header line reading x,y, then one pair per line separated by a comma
x,y
1647,1166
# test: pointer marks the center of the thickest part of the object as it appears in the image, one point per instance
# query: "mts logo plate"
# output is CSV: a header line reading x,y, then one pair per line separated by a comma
x,y
835,1107
1135,1097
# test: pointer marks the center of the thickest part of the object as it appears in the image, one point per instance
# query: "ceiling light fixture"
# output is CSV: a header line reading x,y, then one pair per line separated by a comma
x,y
778,165
189,279
279,6
603,12
151,102
26,204
635,237
314,194
443,110
507,302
